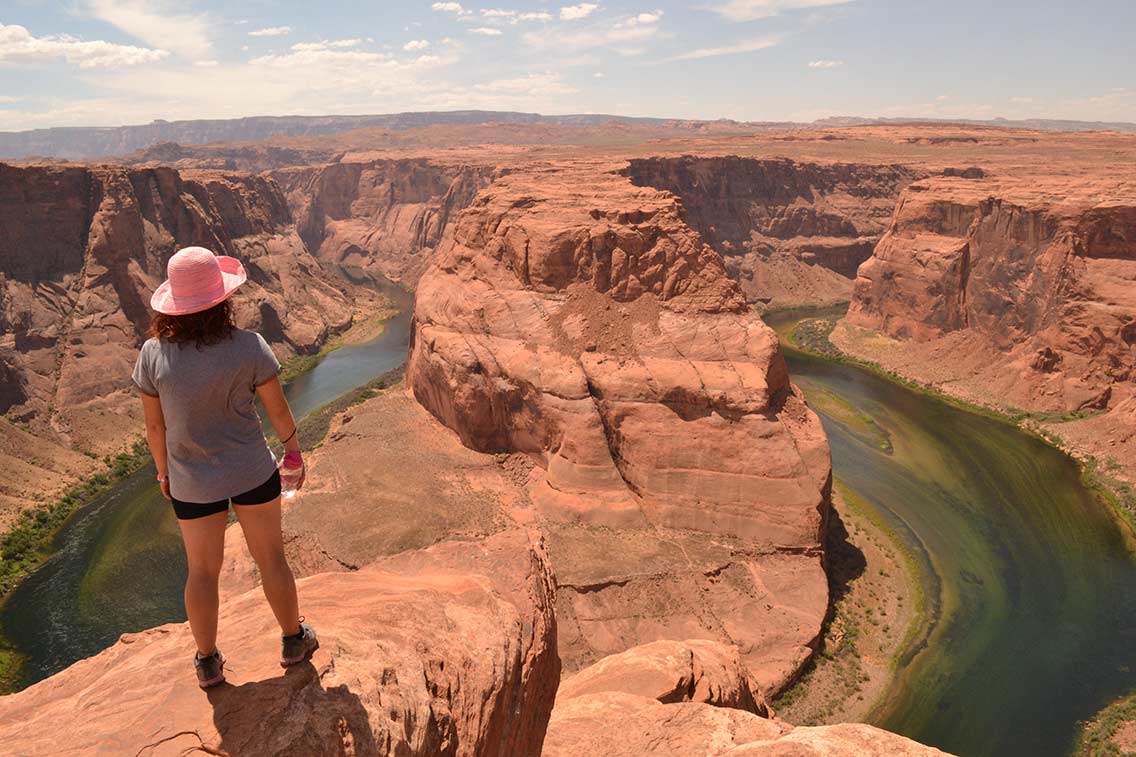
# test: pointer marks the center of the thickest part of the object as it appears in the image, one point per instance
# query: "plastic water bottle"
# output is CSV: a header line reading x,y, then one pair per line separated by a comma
x,y
291,474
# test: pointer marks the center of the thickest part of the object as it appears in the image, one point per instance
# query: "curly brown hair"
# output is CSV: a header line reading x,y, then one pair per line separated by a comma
x,y
203,329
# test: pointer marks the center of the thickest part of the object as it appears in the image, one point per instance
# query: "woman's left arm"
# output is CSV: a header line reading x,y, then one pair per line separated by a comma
x,y
156,438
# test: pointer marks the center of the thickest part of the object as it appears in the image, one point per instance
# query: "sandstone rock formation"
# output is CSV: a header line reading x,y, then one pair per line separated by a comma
x,y
696,670
791,232
81,249
386,215
624,705
680,478
1010,292
445,651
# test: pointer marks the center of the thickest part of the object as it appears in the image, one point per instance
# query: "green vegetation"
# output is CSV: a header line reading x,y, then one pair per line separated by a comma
x,y
1098,737
28,542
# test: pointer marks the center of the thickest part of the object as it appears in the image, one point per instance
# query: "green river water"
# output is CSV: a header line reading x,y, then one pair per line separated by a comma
x,y
1030,587
1029,581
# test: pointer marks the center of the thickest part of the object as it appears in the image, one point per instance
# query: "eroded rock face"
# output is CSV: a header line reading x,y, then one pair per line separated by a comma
x,y
81,250
790,232
697,670
384,215
577,319
444,651
1039,276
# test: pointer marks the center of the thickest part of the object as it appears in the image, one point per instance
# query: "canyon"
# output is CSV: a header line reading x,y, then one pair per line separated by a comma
x,y
598,476
81,248
1012,293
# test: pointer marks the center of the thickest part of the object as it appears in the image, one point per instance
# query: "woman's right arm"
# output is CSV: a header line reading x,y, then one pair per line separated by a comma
x,y
156,438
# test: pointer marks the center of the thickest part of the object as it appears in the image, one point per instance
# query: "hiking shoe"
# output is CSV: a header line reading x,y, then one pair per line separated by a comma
x,y
300,647
210,670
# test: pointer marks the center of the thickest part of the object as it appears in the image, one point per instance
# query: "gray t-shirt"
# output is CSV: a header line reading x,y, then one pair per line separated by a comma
x,y
214,440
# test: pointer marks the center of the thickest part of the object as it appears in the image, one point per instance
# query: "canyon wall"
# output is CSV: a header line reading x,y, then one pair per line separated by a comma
x,y
82,248
1010,293
680,479
790,232
383,215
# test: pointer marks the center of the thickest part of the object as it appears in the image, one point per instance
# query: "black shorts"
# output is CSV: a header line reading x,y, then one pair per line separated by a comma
x,y
266,492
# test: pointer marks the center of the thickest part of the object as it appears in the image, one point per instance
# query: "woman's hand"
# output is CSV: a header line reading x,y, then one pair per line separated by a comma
x,y
164,483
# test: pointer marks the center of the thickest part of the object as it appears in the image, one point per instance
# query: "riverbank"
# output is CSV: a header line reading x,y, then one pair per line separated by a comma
x,y
1111,479
877,612
1112,733
814,333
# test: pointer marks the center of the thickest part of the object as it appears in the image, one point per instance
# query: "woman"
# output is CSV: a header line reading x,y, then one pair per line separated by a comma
x,y
198,375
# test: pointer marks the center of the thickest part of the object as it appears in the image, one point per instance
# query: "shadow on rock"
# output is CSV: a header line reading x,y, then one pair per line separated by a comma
x,y
291,714
846,562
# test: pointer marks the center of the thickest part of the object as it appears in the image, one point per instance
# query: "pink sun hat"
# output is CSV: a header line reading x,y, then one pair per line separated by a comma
x,y
197,280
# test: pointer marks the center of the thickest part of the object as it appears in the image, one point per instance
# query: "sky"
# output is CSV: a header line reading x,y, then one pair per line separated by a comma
x,y
113,62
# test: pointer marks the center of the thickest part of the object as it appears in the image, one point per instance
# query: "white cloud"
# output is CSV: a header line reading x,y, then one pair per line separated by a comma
x,y
623,37
642,18
825,63
574,12
535,16
450,8
542,84
327,44
599,74
761,43
748,10
416,44
498,13
206,63
157,23
271,31
1021,100
7,99
17,45
485,31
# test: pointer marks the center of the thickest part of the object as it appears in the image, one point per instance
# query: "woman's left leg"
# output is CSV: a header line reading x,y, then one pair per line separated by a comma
x,y
261,527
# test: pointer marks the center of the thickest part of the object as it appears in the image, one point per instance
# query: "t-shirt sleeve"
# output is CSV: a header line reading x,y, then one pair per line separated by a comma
x,y
265,364
143,376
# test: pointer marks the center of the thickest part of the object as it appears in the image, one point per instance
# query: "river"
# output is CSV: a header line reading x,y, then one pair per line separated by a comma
x,y
1034,584
118,563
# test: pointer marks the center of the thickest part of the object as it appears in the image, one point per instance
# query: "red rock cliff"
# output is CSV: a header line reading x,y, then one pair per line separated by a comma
x,y
577,319
386,215
1038,277
790,232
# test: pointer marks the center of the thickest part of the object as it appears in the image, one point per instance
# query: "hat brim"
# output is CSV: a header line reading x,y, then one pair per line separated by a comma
x,y
232,275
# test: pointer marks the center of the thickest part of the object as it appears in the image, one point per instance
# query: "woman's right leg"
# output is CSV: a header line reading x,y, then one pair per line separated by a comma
x,y
204,540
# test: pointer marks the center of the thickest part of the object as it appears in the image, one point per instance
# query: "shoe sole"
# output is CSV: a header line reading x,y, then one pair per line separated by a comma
x,y
304,658
212,682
